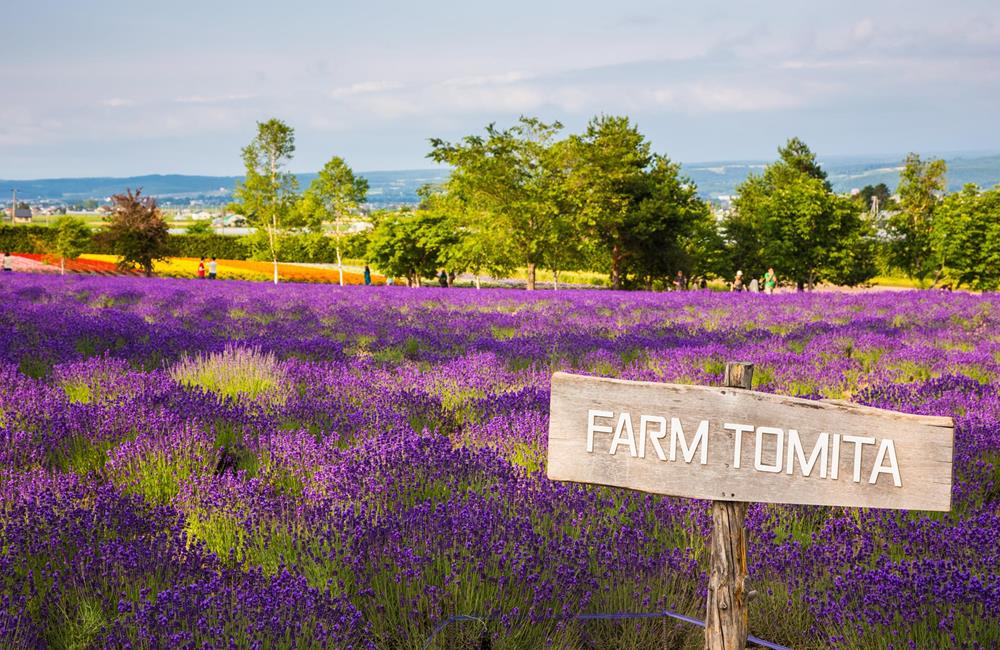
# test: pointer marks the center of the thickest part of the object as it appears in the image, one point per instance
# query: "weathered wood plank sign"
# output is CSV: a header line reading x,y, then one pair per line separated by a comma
x,y
728,444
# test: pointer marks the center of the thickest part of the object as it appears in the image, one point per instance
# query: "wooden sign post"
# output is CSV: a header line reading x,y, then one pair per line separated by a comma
x,y
727,612
734,446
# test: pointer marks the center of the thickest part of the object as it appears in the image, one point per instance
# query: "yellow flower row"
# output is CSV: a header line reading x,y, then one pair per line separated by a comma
x,y
187,267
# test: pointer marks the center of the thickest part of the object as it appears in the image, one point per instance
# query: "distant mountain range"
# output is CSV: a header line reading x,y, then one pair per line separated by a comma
x,y
715,180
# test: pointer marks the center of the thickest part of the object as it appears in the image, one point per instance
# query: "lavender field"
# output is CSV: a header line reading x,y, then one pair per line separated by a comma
x,y
237,465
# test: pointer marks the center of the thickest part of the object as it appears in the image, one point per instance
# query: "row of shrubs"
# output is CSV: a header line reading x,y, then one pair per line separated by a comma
x,y
293,248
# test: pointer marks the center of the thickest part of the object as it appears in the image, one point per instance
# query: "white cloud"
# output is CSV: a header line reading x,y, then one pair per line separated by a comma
x,y
487,80
118,102
863,29
214,99
726,98
363,88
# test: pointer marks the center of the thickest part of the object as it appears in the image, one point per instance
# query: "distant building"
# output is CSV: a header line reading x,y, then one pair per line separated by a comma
x,y
21,215
234,221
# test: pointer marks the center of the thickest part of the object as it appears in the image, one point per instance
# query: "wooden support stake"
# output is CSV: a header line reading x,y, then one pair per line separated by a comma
x,y
726,617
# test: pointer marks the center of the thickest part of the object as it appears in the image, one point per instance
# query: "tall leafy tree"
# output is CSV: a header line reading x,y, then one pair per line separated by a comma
x,y
798,156
409,243
920,185
137,231
632,205
268,193
508,178
966,237
788,218
468,242
72,237
872,195
334,196
608,182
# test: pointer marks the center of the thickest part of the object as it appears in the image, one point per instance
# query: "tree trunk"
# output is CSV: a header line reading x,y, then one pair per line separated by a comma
x,y
616,280
555,279
531,276
477,281
274,249
340,267
62,265
273,160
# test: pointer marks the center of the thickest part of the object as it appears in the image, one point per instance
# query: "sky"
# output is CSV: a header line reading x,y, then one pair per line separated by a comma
x,y
122,88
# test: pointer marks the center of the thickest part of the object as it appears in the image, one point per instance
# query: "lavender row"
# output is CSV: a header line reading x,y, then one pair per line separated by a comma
x,y
237,465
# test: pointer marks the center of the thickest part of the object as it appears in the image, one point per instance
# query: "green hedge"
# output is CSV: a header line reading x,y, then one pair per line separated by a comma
x,y
26,239
293,248
226,248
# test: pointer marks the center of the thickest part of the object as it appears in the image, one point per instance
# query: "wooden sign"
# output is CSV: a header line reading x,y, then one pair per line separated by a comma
x,y
727,444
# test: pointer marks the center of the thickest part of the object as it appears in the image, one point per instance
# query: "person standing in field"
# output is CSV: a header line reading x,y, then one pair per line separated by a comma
x,y
770,281
680,282
201,269
212,269
368,276
8,263
738,282
754,286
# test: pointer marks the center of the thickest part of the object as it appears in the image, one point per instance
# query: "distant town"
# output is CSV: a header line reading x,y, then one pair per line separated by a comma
x,y
193,199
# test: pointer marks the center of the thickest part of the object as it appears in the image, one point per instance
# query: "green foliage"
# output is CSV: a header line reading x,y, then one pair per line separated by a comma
x,y
508,183
209,245
910,247
72,237
137,232
633,205
267,195
26,238
787,218
880,192
966,237
334,196
199,228
410,244
797,156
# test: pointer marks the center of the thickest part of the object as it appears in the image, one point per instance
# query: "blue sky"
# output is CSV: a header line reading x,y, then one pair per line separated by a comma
x,y
125,88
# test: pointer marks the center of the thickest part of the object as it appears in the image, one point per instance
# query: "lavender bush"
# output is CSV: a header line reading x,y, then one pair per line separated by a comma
x,y
238,465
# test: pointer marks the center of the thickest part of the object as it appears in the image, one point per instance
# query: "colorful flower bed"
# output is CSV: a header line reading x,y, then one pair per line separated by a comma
x,y
187,267
241,465
79,265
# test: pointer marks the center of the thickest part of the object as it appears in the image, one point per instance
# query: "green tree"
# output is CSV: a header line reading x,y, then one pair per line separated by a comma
x,y
268,193
137,231
607,182
72,237
410,244
199,228
703,248
507,177
910,250
634,206
798,156
469,241
334,196
966,237
870,192
788,218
